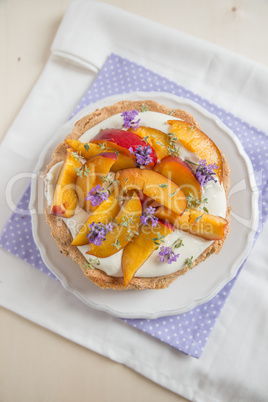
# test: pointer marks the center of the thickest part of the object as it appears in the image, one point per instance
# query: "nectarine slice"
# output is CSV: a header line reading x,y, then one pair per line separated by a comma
x,y
105,212
123,140
91,175
139,250
196,222
155,186
178,171
65,197
127,223
87,151
158,140
198,142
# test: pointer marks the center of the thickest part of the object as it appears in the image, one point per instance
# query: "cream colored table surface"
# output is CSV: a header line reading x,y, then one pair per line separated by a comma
x,y
37,365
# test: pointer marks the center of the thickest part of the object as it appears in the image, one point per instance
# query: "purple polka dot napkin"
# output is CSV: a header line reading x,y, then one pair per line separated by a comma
x,y
187,332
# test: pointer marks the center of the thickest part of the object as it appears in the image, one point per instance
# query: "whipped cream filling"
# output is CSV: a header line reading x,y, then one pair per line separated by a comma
x,y
193,245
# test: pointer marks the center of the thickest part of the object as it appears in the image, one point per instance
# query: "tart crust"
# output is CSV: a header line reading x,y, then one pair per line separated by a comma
x,y
61,233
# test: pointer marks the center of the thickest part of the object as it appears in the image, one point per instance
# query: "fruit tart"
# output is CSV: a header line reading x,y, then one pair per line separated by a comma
x,y
137,195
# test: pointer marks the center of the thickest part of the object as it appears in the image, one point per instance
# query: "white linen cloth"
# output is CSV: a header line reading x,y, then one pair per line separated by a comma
x,y
234,363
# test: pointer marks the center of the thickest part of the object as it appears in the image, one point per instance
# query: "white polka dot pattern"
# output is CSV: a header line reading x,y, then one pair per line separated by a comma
x,y
187,332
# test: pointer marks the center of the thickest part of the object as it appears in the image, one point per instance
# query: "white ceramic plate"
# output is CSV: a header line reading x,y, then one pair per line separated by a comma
x,y
198,285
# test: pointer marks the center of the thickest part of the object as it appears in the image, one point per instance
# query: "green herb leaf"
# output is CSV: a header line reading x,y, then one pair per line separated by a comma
x,y
146,138
86,171
189,262
163,185
75,155
194,202
171,112
130,234
124,222
159,239
105,179
91,263
174,192
121,199
144,108
86,146
117,244
174,150
177,243
79,171
159,143
104,146
193,163
199,218
172,137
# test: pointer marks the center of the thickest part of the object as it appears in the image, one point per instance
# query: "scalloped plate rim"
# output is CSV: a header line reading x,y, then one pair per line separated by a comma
x,y
138,313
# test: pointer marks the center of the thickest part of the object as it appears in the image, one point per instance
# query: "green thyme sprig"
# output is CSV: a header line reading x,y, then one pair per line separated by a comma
x,y
144,108
130,234
76,155
82,171
172,148
199,218
90,264
109,180
117,244
121,199
177,243
146,138
126,221
157,240
177,190
189,262
172,137
195,202
160,143
104,146
106,179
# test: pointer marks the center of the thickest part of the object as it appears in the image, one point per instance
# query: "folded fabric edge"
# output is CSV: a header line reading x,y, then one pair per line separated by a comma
x,y
75,60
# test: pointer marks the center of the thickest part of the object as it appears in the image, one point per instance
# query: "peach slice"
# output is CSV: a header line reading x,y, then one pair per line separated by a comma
x,y
196,222
139,250
127,221
180,172
123,140
105,212
196,141
65,197
87,151
155,186
158,140
91,175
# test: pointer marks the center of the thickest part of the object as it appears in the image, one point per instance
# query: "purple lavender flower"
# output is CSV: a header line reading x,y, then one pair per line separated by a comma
x,y
142,155
98,232
204,172
167,254
148,215
97,195
129,117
